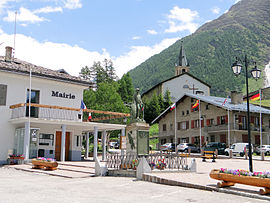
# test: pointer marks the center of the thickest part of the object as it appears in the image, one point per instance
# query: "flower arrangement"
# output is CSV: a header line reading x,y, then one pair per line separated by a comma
x,y
14,155
161,164
45,159
152,165
245,173
134,163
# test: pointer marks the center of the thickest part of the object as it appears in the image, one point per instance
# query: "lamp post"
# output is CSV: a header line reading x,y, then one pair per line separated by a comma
x,y
255,72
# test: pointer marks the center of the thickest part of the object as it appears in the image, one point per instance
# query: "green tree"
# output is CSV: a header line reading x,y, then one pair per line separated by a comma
x,y
126,89
152,109
167,99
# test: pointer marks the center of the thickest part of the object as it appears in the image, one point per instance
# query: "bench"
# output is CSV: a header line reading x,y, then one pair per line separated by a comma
x,y
39,164
209,155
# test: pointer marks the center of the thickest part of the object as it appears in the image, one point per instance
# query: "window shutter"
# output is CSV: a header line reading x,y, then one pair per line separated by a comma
x,y
218,120
226,119
192,124
202,123
202,140
187,124
240,119
192,140
252,119
208,122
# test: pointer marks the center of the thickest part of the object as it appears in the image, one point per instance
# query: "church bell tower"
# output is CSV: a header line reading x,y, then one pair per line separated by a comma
x,y
182,65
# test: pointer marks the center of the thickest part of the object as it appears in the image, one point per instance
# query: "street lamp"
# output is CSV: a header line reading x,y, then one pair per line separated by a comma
x,y
255,72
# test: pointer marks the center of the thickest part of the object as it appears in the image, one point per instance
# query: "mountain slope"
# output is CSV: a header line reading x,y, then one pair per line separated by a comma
x,y
211,50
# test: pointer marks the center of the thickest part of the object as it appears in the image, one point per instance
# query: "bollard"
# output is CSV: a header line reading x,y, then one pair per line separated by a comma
x,y
262,156
246,153
230,153
216,152
189,150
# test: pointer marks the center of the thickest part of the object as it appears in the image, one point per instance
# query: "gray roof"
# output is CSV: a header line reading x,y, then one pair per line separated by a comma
x,y
22,67
219,101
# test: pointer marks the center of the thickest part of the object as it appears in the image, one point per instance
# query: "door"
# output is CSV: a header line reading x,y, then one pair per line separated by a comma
x,y
58,146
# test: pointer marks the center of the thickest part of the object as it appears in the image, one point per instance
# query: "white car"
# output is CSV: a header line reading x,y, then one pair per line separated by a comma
x,y
238,149
265,149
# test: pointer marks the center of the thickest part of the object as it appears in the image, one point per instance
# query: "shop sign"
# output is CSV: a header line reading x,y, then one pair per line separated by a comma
x,y
63,95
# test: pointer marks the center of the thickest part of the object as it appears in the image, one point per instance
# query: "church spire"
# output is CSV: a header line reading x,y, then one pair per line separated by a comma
x,y
182,57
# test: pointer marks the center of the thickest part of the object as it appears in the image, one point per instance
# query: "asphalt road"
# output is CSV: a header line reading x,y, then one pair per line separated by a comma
x,y
18,186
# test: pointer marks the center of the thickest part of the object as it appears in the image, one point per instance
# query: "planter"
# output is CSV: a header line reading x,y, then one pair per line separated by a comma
x,y
40,164
230,180
16,157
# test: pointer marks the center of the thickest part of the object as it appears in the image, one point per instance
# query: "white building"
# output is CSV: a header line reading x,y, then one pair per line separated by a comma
x,y
56,124
183,82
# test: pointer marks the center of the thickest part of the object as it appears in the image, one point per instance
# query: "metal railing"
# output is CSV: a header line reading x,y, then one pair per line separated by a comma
x,y
130,161
233,126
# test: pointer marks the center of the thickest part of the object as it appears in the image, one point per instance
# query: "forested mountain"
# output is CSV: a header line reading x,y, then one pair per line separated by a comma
x,y
244,29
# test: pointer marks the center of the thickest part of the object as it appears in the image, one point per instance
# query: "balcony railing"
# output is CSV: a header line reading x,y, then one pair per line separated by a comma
x,y
57,112
234,126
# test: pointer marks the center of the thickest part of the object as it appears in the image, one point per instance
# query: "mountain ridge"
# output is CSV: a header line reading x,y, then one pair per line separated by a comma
x,y
212,49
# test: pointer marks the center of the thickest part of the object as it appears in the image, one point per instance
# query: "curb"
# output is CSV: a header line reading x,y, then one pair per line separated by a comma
x,y
158,180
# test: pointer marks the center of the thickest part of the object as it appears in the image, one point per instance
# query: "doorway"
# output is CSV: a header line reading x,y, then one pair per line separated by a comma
x,y
58,146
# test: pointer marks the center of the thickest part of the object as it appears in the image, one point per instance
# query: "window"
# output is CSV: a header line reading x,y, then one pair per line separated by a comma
x,y
3,95
222,119
34,100
196,124
179,126
187,112
78,141
46,139
164,127
183,113
207,106
257,121
171,126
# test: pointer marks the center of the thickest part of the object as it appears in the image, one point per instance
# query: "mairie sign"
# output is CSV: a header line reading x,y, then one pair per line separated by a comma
x,y
63,95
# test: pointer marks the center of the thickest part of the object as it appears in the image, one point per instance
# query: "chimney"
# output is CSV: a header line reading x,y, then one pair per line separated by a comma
x,y
8,57
236,97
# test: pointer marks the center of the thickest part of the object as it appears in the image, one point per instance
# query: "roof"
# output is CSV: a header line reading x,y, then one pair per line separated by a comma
x,y
23,67
182,57
219,102
185,73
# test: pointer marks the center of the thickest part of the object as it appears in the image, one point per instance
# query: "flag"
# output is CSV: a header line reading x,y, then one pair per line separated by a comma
x,y
255,97
195,105
173,107
89,116
225,101
83,106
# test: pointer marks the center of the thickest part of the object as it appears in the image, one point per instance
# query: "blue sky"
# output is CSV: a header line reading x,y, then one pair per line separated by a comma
x,y
70,34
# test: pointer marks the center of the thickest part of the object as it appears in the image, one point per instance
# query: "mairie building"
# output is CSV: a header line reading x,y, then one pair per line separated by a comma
x,y
222,120
54,128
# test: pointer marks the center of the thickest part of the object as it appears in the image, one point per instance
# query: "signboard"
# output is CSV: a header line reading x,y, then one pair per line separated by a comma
x,y
142,142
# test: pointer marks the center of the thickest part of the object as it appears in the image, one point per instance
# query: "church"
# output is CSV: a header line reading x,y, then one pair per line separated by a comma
x,y
183,82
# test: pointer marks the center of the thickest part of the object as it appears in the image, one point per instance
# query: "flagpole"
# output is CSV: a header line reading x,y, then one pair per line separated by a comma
x,y
260,120
229,133
175,128
200,125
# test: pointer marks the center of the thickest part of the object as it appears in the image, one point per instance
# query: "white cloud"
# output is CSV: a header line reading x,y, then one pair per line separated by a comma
x,y
3,4
181,19
136,37
139,54
72,4
152,32
49,9
24,15
215,10
73,58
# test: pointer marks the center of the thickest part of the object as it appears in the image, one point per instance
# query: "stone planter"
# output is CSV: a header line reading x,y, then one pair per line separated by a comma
x,y
40,164
230,180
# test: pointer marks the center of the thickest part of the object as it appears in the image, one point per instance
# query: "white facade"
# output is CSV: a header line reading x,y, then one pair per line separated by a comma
x,y
48,123
184,84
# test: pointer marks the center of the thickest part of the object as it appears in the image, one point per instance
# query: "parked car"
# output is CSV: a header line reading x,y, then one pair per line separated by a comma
x,y
169,147
183,147
114,145
238,149
265,149
212,146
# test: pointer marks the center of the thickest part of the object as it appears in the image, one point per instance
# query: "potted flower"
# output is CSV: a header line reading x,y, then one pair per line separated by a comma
x,y
152,165
161,164
229,177
134,164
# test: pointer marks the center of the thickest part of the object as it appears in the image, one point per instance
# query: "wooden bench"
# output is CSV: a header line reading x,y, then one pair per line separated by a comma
x,y
209,155
39,164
